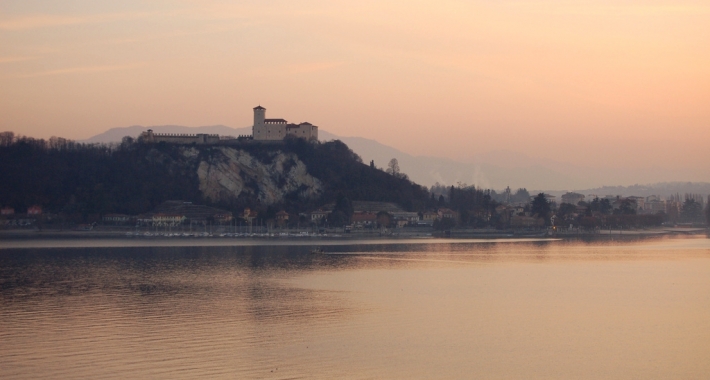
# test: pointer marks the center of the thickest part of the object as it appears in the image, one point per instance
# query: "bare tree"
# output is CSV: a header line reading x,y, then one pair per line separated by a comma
x,y
393,168
6,138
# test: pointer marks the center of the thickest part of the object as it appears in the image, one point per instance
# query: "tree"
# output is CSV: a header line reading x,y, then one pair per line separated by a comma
x,y
7,138
393,168
691,211
384,219
589,222
605,206
344,206
602,206
566,209
464,217
541,207
627,207
521,195
444,224
338,218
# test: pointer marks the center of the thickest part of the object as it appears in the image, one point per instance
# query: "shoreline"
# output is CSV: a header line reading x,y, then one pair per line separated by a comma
x,y
29,239
297,234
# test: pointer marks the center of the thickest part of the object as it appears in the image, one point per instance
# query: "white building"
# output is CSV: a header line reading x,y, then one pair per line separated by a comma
x,y
171,220
278,129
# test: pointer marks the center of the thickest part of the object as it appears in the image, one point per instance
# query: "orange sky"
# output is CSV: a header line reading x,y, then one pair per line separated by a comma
x,y
589,82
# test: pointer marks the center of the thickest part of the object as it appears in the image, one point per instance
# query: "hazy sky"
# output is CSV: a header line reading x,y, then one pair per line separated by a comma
x,y
622,83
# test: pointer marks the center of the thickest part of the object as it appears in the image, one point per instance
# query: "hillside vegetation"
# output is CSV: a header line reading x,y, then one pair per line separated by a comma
x,y
133,178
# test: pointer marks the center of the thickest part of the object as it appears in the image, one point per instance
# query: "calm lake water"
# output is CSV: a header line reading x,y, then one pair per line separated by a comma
x,y
408,309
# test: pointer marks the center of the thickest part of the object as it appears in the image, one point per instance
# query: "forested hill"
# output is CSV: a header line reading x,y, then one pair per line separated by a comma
x,y
133,178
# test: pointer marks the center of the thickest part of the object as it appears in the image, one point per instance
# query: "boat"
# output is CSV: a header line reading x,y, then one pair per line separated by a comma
x,y
317,250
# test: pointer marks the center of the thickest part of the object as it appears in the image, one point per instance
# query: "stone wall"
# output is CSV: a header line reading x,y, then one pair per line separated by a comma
x,y
175,138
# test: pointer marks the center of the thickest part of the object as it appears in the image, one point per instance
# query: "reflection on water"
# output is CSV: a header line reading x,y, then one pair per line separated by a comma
x,y
411,309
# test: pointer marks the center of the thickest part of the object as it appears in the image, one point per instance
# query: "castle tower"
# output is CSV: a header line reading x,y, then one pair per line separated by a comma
x,y
259,115
258,131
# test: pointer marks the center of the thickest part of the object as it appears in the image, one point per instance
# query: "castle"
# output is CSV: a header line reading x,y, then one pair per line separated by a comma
x,y
271,130
278,129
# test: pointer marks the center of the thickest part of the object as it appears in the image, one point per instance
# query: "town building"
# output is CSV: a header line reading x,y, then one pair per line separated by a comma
x,y
403,218
319,215
7,211
116,218
552,199
165,220
428,218
445,213
363,219
638,201
249,215
375,207
34,210
282,217
171,213
194,213
144,219
654,204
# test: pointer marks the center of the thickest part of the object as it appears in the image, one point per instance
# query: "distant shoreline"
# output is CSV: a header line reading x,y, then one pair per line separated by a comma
x,y
27,239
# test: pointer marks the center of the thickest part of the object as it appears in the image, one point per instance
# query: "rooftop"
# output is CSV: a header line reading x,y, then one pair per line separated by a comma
x,y
188,209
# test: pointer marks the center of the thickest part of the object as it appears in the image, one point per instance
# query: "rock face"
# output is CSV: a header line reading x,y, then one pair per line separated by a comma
x,y
226,173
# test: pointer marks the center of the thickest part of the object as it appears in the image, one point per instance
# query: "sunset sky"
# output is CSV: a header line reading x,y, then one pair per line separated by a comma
x,y
596,83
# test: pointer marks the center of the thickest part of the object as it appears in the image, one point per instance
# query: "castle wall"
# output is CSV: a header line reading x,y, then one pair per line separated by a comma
x,y
170,138
270,131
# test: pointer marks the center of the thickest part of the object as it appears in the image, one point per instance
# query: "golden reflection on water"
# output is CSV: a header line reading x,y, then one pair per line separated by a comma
x,y
444,309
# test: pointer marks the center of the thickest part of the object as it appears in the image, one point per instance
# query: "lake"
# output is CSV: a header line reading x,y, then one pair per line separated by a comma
x,y
505,309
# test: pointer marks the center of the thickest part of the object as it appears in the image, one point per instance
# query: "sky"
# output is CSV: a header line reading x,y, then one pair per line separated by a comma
x,y
596,83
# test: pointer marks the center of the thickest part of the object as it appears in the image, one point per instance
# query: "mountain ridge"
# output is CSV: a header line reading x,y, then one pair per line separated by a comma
x,y
494,169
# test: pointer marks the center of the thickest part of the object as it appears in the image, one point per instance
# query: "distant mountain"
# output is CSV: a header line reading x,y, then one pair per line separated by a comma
x,y
424,170
494,170
117,134
428,170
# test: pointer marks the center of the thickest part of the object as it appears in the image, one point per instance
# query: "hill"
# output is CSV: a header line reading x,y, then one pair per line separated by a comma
x,y
133,177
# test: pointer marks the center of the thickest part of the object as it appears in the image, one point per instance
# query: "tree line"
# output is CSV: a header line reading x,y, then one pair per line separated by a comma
x,y
132,178
67,177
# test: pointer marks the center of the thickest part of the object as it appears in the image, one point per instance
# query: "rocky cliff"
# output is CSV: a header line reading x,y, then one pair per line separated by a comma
x,y
226,173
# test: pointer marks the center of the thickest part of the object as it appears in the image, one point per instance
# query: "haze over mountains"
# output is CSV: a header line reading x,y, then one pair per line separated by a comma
x,y
495,169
